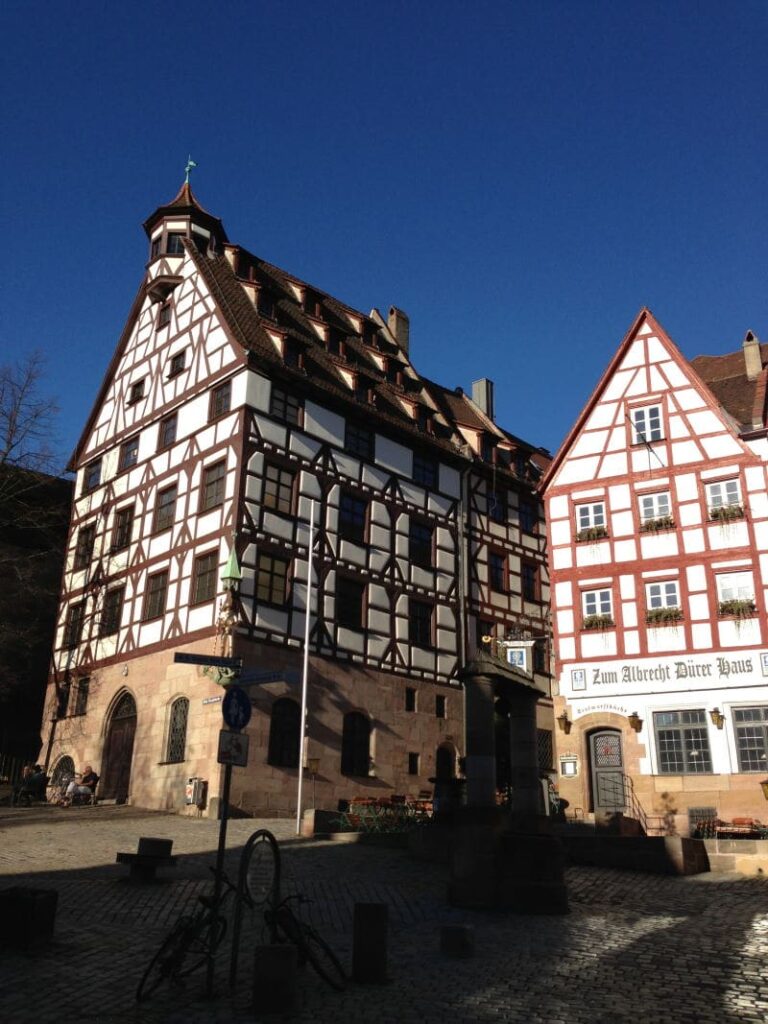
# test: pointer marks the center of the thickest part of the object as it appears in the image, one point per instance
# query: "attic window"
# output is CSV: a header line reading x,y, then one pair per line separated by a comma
x,y
137,392
266,304
173,245
312,304
164,315
293,354
244,268
154,249
201,242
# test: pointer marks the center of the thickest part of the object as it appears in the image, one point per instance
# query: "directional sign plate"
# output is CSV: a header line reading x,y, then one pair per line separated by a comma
x,y
233,749
236,708
251,677
208,659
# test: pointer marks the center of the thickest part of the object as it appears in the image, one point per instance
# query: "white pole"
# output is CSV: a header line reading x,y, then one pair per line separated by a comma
x,y
305,672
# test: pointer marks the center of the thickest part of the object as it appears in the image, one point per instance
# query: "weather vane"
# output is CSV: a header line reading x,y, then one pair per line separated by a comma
x,y
190,164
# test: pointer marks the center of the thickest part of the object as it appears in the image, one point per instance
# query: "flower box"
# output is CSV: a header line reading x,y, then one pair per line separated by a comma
x,y
726,513
597,622
591,533
663,616
738,608
655,525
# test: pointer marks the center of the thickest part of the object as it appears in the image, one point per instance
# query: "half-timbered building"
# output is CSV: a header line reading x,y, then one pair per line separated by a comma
x,y
239,401
658,532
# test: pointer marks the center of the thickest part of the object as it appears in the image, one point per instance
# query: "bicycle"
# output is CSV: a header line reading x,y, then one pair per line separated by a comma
x,y
192,940
259,878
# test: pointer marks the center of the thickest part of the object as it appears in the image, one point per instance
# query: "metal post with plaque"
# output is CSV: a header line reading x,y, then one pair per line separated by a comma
x,y
233,750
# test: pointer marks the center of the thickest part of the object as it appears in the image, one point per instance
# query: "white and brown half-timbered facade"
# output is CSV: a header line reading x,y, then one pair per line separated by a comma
x,y
238,395
657,520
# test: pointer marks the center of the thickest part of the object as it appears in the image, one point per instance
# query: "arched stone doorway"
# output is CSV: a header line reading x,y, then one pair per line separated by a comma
x,y
118,750
606,769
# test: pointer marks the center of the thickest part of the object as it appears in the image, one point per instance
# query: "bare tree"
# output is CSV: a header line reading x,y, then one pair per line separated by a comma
x,y
34,512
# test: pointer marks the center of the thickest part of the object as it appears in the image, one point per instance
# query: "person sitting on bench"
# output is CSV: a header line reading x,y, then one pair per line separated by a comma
x,y
32,786
82,786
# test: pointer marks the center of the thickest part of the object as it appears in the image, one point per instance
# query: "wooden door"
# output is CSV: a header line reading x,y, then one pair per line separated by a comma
x,y
606,764
116,776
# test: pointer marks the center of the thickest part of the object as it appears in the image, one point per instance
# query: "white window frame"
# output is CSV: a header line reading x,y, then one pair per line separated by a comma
x,y
735,586
601,599
662,594
659,506
591,516
723,493
643,430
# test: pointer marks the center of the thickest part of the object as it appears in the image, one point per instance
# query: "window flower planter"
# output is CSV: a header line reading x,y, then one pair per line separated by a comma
x,y
663,616
591,533
597,622
726,513
656,525
737,609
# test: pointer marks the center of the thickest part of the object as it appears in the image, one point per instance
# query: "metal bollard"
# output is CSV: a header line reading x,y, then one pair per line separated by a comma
x,y
274,978
369,942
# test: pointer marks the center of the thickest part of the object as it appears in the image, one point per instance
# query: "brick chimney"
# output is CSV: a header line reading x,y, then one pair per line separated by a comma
x,y
482,395
400,327
753,360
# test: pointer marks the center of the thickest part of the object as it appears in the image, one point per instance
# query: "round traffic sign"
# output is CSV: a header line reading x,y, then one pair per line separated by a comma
x,y
236,707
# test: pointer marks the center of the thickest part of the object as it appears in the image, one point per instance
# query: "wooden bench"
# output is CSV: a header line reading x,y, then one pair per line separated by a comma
x,y
150,855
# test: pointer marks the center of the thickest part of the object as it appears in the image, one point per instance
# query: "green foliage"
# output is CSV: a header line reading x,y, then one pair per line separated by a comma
x,y
592,533
655,525
597,622
662,616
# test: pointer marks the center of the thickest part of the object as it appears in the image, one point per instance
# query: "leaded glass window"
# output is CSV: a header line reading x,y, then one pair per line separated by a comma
x,y
751,725
682,742
177,730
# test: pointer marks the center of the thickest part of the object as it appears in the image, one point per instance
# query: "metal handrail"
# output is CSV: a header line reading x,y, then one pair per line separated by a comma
x,y
626,790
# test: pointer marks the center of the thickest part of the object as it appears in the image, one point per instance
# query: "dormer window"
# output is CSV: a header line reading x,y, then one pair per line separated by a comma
x,y
293,354
201,242
154,249
266,304
174,244
137,392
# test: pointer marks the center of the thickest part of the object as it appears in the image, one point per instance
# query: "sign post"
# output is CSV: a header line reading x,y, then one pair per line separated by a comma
x,y
233,749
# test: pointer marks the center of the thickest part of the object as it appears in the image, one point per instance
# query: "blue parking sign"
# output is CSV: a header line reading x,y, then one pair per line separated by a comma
x,y
236,707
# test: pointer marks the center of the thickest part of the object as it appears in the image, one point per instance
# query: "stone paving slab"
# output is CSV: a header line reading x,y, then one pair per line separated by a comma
x,y
634,947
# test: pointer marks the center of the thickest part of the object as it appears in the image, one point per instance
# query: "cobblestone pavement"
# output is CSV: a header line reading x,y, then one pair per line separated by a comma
x,y
634,947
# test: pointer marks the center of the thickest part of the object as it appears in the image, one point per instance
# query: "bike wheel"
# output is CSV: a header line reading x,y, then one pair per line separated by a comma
x,y
311,948
167,960
323,959
261,867
196,953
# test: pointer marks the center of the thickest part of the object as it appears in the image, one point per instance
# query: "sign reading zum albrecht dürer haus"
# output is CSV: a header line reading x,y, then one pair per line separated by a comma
x,y
657,675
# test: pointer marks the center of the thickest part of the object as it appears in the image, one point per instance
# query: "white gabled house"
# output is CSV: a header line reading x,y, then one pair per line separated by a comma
x,y
657,522
237,395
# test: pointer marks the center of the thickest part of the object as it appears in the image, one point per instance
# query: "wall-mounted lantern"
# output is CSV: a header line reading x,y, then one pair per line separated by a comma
x,y
564,723
718,718
635,721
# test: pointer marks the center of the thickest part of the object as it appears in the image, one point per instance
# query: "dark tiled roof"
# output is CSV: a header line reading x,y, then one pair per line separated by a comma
x,y
321,369
726,378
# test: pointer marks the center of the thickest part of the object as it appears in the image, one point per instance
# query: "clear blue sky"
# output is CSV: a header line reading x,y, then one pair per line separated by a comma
x,y
519,177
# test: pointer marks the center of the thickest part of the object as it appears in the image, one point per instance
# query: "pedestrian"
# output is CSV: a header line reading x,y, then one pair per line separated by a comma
x,y
82,786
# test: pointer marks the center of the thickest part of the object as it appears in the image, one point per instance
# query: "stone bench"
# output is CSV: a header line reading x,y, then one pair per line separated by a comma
x,y
150,855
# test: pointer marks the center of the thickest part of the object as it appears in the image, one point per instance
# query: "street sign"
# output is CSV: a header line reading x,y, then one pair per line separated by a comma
x,y
233,748
212,700
250,677
208,659
236,708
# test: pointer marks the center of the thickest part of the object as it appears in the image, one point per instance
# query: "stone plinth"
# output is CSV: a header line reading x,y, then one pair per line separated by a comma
x,y
504,870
